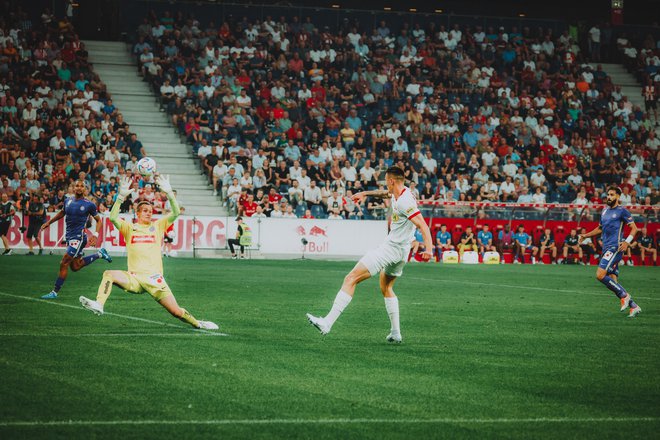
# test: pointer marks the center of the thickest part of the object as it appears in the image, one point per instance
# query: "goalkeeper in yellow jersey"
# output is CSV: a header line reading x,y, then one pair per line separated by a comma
x,y
145,263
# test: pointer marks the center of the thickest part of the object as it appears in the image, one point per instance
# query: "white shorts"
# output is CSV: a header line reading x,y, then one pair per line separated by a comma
x,y
388,257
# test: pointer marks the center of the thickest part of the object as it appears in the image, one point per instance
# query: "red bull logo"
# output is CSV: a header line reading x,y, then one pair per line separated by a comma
x,y
300,230
316,231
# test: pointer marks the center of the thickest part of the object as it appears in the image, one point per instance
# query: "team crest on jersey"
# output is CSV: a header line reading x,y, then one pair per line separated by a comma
x,y
82,208
395,217
152,229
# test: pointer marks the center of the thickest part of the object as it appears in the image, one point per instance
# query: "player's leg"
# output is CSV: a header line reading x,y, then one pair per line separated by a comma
x,y
61,276
580,254
607,274
386,282
110,277
654,252
363,270
554,253
170,304
80,262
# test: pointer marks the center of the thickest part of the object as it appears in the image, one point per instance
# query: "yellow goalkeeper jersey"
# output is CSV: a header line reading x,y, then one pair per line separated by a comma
x,y
143,245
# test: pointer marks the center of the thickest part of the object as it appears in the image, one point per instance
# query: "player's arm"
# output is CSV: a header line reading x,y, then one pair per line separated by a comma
x,y
124,191
629,239
53,219
380,193
419,222
594,232
165,186
99,225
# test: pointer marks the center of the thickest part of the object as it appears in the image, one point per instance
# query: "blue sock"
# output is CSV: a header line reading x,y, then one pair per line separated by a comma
x,y
632,304
91,258
58,284
614,286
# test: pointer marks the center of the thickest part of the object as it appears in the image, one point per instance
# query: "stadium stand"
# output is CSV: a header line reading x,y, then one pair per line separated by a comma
x,y
473,114
443,103
58,120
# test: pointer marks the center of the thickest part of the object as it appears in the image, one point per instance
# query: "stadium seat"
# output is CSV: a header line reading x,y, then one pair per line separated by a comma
x,y
318,211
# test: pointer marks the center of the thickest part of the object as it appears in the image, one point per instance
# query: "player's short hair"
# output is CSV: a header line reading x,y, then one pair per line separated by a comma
x,y
443,225
614,188
142,203
395,172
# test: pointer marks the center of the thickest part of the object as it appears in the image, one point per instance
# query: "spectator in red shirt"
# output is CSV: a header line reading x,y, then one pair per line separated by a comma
x,y
273,197
502,148
249,206
319,91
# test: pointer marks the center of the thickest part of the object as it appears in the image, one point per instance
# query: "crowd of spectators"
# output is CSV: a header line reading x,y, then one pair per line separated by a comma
x,y
58,122
287,117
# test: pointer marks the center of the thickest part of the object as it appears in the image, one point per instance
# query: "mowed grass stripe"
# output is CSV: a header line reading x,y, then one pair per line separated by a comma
x,y
448,421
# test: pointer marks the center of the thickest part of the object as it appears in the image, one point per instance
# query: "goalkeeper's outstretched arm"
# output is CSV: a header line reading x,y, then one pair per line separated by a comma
x,y
124,191
165,186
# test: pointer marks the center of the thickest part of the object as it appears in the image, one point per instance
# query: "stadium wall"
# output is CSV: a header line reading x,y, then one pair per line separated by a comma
x,y
207,236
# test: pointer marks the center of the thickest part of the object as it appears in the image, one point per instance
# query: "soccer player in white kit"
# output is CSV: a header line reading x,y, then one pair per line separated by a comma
x,y
388,259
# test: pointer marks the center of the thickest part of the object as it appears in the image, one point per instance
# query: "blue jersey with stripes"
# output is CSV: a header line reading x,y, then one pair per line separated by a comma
x,y
611,223
77,211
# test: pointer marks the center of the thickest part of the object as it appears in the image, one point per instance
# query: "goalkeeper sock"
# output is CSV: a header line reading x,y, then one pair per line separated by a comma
x,y
392,307
91,258
342,300
190,319
105,289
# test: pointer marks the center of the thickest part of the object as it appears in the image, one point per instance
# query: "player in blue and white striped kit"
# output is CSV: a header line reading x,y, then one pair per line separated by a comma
x,y
612,220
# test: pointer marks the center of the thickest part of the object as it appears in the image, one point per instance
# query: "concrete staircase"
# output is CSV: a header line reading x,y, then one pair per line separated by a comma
x,y
136,101
629,85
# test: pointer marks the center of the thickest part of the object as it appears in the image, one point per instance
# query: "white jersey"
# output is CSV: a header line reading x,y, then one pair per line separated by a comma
x,y
404,208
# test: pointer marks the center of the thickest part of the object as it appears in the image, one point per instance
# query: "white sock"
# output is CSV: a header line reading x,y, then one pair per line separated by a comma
x,y
342,300
392,307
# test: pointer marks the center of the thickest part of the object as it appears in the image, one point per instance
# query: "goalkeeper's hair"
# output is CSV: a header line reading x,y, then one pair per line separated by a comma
x,y
142,203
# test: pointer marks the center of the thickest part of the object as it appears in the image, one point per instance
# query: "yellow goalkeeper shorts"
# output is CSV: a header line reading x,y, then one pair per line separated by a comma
x,y
155,285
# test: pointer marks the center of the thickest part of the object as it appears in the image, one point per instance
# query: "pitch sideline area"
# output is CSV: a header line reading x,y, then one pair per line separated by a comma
x,y
506,351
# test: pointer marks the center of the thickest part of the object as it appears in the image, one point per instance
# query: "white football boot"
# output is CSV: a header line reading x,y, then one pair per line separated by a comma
x,y
207,325
319,323
394,338
91,305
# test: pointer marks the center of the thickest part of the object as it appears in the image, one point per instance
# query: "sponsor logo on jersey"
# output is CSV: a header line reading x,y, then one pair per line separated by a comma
x,y
137,239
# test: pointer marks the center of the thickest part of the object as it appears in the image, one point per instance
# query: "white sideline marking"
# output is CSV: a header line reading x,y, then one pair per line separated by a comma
x,y
465,421
132,318
107,335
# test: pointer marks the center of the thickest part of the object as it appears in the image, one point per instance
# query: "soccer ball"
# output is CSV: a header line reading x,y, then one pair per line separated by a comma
x,y
146,166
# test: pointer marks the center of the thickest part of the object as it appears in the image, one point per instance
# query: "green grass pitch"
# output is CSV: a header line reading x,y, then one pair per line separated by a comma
x,y
489,352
